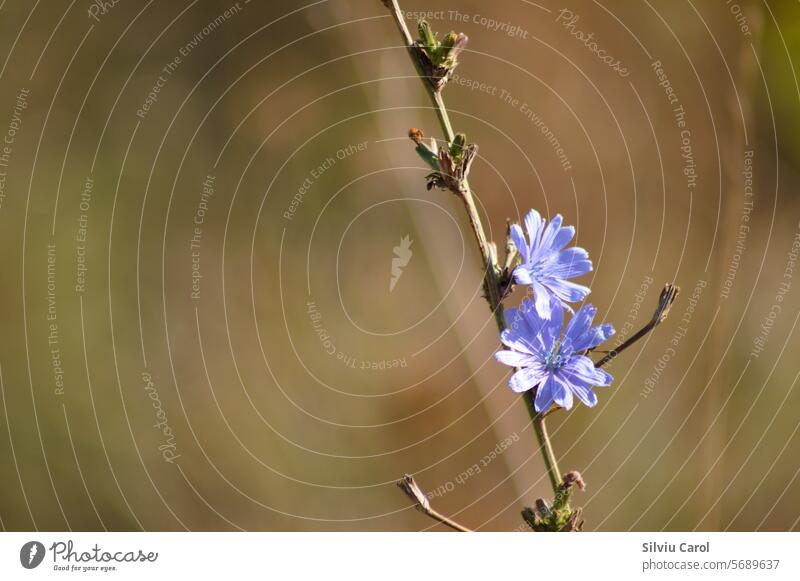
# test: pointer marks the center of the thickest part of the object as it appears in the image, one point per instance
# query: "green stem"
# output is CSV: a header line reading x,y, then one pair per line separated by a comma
x,y
492,288
441,112
545,446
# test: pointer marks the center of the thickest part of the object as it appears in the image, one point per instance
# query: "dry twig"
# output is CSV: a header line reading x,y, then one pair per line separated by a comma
x,y
414,492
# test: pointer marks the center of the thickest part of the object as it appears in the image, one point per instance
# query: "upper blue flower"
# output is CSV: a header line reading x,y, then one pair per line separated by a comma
x,y
554,363
546,266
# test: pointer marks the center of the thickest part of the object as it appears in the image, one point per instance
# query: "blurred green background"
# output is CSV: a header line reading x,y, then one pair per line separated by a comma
x,y
199,208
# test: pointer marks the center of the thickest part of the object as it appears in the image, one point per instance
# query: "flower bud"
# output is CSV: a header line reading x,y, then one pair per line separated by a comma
x,y
438,59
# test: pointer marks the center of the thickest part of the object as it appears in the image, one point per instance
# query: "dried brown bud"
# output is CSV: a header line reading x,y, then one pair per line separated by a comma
x,y
416,135
454,165
414,492
668,296
574,478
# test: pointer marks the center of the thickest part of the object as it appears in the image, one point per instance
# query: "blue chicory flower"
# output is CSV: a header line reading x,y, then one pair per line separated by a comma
x,y
553,363
546,266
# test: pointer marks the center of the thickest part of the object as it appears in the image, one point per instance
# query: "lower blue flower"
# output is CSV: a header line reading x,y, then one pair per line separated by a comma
x,y
554,363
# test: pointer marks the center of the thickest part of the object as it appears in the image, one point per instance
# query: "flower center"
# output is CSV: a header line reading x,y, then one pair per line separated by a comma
x,y
556,359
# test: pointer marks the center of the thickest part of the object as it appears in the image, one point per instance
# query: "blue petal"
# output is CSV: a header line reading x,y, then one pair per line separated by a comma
x,y
562,395
570,263
565,234
531,325
544,395
515,358
544,300
519,241
534,224
583,368
526,379
549,235
567,291
582,391
524,329
519,342
523,275
551,330
564,305
593,337
579,324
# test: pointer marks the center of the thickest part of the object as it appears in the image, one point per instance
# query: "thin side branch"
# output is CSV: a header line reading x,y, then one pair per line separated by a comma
x,y
668,296
422,504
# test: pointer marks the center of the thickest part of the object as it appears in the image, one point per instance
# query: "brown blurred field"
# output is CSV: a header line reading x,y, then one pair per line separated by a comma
x,y
198,330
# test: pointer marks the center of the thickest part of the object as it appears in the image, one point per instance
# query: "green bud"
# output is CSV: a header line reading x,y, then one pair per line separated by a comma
x,y
457,146
449,41
451,47
427,36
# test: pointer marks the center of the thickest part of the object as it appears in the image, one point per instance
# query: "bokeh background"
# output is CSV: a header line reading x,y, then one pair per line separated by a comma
x,y
199,209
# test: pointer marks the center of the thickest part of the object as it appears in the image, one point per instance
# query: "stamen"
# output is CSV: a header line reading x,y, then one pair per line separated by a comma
x,y
555,360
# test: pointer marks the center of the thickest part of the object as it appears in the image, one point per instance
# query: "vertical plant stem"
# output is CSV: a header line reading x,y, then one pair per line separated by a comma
x,y
489,258
545,445
444,118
